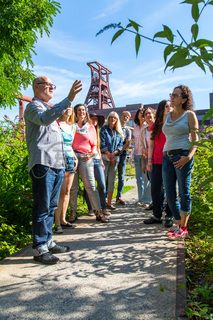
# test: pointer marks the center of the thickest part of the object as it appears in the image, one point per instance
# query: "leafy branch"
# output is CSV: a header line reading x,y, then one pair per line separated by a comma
x,y
176,55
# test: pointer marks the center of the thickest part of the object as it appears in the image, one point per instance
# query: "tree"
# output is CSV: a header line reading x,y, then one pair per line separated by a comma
x,y
176,55
21,22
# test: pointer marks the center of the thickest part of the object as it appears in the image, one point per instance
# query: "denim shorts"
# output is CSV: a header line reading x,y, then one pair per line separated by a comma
x,y
70,163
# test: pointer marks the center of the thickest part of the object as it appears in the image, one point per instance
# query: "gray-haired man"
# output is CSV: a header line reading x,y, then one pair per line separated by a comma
x,y
46,163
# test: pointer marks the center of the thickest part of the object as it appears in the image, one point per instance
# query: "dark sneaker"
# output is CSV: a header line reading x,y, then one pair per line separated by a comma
x,y
46,258
152,220
58,230
168,223
149,207
59,249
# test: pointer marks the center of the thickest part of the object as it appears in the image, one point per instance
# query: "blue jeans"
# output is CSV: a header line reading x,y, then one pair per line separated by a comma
x,y
183,178
101,185
46,186
143,183
121,173
110,173
158,193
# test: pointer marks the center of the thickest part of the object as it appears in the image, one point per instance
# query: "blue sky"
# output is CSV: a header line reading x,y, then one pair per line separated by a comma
x,y
72,43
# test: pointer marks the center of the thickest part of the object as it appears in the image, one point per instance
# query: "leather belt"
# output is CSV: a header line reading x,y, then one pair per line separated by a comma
x,y
173,152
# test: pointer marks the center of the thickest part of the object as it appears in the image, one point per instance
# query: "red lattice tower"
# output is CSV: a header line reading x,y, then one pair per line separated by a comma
x,y
99,95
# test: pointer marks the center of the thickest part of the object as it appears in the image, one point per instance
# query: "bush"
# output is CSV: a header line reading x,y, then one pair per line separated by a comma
x,y
15,196
199,262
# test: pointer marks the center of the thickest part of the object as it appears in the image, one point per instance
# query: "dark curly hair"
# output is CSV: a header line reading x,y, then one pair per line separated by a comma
x,y
159,119
136,119
186,94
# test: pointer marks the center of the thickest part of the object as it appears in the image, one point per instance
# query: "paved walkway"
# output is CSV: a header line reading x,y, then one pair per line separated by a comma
x,y
116,271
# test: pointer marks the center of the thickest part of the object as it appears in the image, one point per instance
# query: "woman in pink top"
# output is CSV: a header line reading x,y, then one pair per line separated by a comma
x,y
85,147
155,156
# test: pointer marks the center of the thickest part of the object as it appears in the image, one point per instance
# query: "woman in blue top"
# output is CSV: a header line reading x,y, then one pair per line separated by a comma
x,y
68,128
180,129
111,136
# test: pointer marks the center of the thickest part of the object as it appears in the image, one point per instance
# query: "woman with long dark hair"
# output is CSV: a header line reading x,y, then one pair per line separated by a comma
x,y
98,121
154,165
85,147
181,130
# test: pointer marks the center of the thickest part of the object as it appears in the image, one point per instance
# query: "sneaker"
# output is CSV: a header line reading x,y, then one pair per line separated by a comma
x,y
58,230
181,234
59,249
106,212
173,230
152,220
46,258
149,207
139,204
168,223
91,213
120,201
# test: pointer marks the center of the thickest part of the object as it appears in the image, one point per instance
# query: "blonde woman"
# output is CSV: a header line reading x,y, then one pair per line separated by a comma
x,y
67,127
111,136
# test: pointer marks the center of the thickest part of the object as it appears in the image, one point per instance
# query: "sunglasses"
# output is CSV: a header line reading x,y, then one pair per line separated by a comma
x,y
48,84
175,95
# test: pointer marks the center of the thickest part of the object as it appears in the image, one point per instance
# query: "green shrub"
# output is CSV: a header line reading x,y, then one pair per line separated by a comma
x,y
199,261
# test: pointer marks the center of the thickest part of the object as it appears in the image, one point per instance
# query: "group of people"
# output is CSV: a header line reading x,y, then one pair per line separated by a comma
x,y
66,142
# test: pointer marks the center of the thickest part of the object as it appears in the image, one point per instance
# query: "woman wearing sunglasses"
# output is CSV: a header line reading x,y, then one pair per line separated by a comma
x,y
181,130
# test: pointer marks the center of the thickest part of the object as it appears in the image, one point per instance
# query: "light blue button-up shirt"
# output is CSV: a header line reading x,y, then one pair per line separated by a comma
x,y
43,136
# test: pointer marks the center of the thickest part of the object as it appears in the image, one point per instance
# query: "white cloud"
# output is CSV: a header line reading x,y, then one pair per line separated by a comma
x,y
63,46
153,86
161,15
111,9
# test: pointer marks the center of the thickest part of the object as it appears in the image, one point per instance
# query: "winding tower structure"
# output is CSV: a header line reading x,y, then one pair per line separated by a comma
x,y
99,96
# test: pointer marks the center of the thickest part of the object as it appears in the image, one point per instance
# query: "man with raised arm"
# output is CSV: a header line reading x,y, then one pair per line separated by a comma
x,y
46,164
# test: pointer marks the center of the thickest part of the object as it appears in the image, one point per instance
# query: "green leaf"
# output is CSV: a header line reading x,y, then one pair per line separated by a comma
x,y
207,115
211,2
200,64
182,62
137,43
178,59
134,24
117,34
202,43
188,1
167,51
160,34
195,12
195,30
210,161
168,33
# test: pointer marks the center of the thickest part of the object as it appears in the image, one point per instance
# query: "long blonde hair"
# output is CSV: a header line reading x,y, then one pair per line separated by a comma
x,y
118,127
70,120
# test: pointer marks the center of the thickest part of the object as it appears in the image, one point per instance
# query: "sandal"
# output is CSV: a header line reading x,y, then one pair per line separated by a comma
x,y
101,217
73,217
66,225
